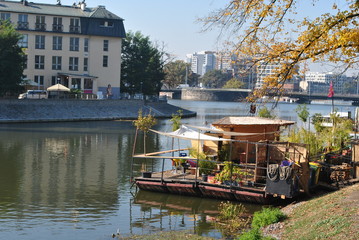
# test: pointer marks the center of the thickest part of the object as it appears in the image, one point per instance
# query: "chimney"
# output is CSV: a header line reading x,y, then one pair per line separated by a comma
x,y
83,5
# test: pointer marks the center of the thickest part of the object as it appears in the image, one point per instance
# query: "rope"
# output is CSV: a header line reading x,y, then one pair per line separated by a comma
x,y
273,172
285,172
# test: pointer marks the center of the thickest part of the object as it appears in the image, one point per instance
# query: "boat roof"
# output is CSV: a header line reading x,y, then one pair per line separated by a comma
x,y
252,121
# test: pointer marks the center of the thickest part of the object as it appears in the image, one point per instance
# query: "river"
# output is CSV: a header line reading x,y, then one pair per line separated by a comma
x,y
70,180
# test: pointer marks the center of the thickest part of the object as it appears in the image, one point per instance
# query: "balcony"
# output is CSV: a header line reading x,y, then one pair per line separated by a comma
x,y
74,29
57,27
22,25
40,26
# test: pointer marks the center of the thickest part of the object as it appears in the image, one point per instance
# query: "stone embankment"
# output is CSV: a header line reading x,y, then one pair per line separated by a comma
x,y
51,110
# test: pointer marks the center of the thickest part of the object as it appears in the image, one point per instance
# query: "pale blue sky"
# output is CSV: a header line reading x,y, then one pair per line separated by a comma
x,y
173,22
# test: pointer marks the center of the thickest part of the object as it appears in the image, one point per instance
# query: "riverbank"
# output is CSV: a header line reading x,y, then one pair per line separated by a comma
x,y
332,216
56,110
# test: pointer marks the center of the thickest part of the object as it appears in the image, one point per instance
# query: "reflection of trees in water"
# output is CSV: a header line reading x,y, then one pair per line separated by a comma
x,y
10,174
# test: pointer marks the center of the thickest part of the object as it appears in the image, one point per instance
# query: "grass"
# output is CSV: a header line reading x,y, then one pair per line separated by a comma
x,y
333,216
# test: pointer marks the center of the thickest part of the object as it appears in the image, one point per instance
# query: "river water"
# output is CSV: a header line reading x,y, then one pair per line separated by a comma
x,y
70,180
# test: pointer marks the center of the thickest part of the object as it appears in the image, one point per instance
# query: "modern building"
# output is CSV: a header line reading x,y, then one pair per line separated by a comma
x,y
316,82
202,62
77,46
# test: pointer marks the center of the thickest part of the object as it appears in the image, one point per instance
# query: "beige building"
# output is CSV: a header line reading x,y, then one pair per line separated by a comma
x,y
77,46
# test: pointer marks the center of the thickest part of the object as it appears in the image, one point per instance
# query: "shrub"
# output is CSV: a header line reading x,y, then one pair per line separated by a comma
x,y
267,216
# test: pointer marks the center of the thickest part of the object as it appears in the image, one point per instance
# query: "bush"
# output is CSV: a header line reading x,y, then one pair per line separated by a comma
x,y
267,216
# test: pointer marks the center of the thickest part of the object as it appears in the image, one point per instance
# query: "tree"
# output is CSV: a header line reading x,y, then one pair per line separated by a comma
x,y
303,113
214,79
12,59
175,73
142,65
233,83
267,31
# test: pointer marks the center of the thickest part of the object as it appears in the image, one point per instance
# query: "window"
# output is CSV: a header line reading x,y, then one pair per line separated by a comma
x,y
57,24
74,25
74,44
88,84
105,45
39,62
23,42
105,61
40,42
56,63
76,83
86,62
74,64
56,43
106,24
86,45
4,16
40,23
22,22
39,80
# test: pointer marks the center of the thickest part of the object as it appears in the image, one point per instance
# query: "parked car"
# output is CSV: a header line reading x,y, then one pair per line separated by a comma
x,y
34,94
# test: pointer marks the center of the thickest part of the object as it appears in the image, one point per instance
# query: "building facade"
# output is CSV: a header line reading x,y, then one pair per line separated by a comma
x,y
202,62
77,46
316,82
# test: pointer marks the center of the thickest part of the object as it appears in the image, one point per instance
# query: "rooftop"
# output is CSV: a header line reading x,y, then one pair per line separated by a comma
x,y
251,121
57,10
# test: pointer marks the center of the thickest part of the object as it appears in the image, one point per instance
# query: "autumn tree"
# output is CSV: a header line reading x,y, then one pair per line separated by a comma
x,y
233,83
142,65
175,73
11,59
267,30
214,79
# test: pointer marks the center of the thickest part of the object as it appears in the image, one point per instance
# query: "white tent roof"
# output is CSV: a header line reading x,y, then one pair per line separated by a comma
x,y
214,129
59,88
185,133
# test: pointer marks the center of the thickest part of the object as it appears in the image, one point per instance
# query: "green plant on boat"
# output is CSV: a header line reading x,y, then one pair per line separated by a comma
x,y
230,172
232,219
205,166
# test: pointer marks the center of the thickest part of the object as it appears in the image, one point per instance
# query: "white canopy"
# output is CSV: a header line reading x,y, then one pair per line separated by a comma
x,y
214,129
185,133
58,88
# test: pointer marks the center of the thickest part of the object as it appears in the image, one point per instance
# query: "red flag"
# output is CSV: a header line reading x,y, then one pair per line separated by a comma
x,y
331,90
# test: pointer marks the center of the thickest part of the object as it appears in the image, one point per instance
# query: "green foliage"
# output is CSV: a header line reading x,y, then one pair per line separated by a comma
x,y
224,152
253,234
176,120
142,65
206,166
317,120
12,59
175,73
144,123
265,113
314,142
233,83
303,113
266,217
230,172
231,219
215,79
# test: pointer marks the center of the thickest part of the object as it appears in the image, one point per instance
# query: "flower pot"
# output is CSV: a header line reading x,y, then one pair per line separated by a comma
x,y
146,174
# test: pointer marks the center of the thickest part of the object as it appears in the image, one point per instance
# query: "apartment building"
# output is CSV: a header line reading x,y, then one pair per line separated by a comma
x,y
316,82
77,46
202,62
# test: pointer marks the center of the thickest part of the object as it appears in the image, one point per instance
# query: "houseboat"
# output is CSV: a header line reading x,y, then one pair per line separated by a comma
x,y
237,158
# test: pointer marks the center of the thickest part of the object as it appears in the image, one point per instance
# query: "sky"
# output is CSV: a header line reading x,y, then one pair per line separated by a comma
x,y
174,23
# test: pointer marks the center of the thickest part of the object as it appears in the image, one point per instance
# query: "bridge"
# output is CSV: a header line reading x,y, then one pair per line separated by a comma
x,y
240,94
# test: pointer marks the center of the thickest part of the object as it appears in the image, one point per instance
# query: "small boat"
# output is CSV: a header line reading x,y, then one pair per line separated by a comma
x,y
237,158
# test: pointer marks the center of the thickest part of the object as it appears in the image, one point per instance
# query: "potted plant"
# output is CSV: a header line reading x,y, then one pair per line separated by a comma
x,y
230,174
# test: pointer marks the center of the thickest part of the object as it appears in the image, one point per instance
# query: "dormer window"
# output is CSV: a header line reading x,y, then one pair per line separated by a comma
x,y
106,24
75,25
40,23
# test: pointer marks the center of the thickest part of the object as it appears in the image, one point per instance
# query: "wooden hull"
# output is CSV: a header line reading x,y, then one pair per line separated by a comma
x,y
207,190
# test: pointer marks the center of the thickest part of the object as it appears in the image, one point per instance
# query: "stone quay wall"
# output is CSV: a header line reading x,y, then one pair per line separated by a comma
x,y
226,95
54,110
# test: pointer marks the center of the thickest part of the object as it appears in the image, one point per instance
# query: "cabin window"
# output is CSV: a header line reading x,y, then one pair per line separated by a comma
x,y
74,64
86,62
39,80
106,24
105,61
86,45
74,44
105,45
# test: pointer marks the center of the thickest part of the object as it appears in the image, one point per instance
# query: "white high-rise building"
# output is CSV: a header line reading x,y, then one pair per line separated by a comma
x,y
202,62
316,82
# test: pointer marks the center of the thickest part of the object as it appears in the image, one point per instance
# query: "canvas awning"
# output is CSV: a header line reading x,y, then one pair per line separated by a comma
x,y
58,88
216,130
188,134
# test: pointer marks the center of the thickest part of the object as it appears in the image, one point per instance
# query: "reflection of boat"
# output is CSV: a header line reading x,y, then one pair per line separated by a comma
x,y
250,165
